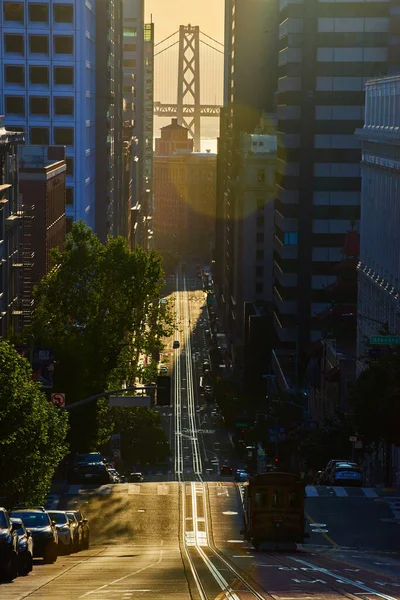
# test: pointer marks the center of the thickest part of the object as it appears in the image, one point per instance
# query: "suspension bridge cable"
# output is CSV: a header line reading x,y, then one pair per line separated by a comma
x,y
165,39
216,41
167,48
212,48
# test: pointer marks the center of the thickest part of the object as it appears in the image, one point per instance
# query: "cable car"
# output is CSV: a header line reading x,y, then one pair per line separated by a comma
x,y
274,511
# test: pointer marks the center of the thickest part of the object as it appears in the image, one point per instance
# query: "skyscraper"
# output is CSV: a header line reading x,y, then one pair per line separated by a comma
x,y
328,50
59,83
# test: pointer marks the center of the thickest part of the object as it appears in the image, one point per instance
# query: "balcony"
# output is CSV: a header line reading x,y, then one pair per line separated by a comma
x,y
284,279
285,307
285,334
284,251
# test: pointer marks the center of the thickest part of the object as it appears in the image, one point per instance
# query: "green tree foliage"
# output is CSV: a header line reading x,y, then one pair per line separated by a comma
x,y
142,438
32,433
375,399
98,309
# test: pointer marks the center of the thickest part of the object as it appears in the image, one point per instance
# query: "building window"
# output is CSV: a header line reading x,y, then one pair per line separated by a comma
x,y
68,225
39,44
63,13
259,288
63,136
69,196
260,238
38,13
39,75
260,255
290,238
260,204
14,43
130,31
259,271
63,106
39,135
14,74
129,47
15,105
14,11
64,75
70,165
63,44
129,62
260,221
39,105
261,176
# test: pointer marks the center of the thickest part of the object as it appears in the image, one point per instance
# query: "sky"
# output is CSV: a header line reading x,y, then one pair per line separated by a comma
x,y
169,14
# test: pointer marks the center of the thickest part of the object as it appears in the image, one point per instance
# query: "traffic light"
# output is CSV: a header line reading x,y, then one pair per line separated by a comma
x,y
164,390
276,460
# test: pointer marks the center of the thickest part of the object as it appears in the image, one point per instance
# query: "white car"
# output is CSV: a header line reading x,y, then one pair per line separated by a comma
x,y
64,532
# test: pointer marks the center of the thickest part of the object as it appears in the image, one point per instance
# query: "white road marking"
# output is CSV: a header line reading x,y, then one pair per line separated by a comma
x,y
99,589
341,579
133,488
370,492
340,491
311,491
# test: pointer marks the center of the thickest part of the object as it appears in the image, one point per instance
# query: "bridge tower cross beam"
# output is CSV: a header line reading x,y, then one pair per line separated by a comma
x,y
189,81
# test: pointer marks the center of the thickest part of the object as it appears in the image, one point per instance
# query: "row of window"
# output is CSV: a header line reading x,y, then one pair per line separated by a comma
x,y
39,105
63,136
38,74
38,44
38,13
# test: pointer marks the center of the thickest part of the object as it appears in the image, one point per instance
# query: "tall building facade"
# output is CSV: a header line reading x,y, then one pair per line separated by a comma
x,y
48,86
379,266
184,194
60,84
328,50
11,222
148,131
251,55
110,210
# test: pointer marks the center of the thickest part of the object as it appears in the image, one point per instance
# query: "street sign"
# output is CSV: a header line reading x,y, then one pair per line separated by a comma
x,y
58,399
130,401
385,340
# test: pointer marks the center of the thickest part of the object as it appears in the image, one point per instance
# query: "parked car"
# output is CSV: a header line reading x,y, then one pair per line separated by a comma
x,y
345,473
163,369
136,478
64,531
206,366
91,473
8,547
176,344
45,538
84,528
77,532
89,458
25,547
115,478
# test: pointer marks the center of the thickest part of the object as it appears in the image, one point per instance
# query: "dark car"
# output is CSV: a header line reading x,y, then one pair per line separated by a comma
x,y
84,528
45,538
241,475
136,477
89,458
8,547
25,547
226,471
323,477
176,344
91,473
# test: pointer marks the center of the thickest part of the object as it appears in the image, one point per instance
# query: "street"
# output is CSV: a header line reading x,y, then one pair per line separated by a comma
x,y
178,535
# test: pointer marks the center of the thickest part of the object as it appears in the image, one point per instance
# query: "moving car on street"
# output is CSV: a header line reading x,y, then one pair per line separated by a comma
x,y
136,478
8,547
345,473
176,344
25,547
226,471
64,531
45,538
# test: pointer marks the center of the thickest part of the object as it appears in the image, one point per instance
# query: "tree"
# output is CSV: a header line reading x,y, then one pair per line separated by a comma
x,y
99,310
32,433
375,399
142,438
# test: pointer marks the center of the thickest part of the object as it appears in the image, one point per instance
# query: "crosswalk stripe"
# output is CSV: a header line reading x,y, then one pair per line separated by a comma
x,y
311,491
370,492
340,492
133,488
